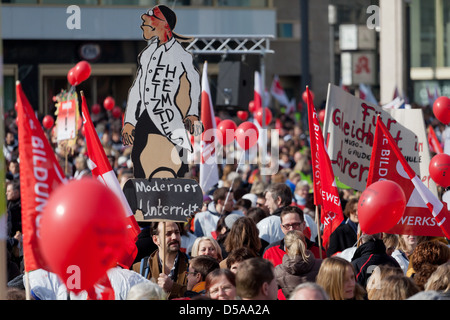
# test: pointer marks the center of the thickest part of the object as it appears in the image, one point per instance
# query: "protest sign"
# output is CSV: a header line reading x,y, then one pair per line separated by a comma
x,y
349,129
164,199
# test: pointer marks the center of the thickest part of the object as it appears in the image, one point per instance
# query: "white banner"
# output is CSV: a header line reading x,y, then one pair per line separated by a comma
x,y
349,129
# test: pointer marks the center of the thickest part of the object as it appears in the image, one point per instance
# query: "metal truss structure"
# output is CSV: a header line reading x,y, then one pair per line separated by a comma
x,y
230,44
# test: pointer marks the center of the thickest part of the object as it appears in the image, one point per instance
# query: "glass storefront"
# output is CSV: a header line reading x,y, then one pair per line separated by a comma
x,y
430,33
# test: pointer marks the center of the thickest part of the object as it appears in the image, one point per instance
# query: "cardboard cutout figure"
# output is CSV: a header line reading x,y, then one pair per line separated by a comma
x,y
163,102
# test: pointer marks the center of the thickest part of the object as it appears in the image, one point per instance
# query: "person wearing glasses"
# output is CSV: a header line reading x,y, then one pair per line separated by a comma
x,y
163,102
291,219
199,268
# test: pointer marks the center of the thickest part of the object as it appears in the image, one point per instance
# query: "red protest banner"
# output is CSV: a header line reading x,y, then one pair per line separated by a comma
x,y
40,174
424,214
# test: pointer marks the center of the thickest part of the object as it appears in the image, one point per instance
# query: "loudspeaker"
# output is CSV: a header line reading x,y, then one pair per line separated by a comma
x,y
234,85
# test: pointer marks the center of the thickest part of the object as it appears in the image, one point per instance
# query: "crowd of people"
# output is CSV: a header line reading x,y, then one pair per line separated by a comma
x,y
255,238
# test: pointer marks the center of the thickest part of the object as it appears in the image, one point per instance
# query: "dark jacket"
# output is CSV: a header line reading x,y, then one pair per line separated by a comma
x,y
342,238
180,279
14,221
369,255
293,271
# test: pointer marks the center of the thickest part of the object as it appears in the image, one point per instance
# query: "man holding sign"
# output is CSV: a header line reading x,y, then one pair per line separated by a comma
x,y
172,276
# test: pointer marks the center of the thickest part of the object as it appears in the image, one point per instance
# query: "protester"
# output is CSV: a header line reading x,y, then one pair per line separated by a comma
x,y
395,287
238,255
338,278
45,285
257,214
146,291
298,264
371,253
199,268
345,236
206,246
13,208
300,193
243,234
378,274
406,245
255,280
278,196
291,219
439,281
171,277
10,147
426,258
220,284
308,291
81,168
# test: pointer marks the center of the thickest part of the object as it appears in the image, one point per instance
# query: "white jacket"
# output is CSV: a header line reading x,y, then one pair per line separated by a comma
x,y
401,259
46,285
270,229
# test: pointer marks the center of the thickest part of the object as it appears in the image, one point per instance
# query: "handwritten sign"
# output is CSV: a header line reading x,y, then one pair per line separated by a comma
x,y
349,130
159,199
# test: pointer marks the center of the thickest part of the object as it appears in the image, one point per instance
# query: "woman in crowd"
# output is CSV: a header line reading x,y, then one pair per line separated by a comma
x,y
337,276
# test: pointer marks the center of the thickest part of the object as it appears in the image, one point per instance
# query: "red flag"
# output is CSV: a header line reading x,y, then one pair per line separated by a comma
x,y
209,173
424,215
325,189
433,141
101,169
40,175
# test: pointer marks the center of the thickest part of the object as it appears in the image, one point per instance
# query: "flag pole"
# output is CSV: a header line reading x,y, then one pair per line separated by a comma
x,y
318,231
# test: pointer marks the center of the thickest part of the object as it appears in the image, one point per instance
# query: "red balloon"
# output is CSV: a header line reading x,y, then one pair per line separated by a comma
x,y
82,71
225,132
48,122
96,108
380,206
441,109
116,112
267,115
440,169
243,115
247,135
71,77
81,240
305,96
109,103
217,119
321,115
252,106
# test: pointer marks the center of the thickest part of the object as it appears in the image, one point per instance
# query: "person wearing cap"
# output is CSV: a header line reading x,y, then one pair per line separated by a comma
x,y
163,101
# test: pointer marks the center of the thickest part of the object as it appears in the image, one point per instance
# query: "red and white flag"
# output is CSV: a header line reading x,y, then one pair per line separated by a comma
x,y
278,92
324,185
101,169
209,173
258,91
40,175
433,141
425,214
